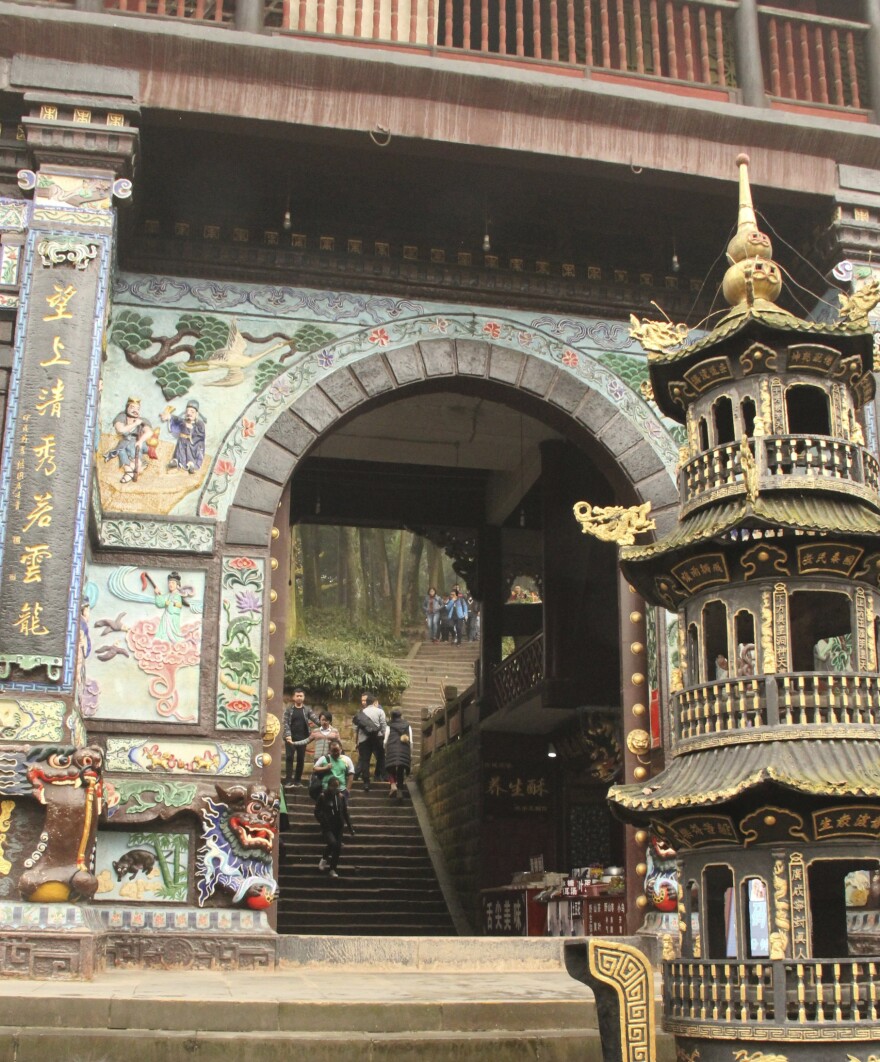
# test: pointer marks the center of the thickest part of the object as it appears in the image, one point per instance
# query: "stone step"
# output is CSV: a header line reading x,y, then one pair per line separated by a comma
x,y
428,926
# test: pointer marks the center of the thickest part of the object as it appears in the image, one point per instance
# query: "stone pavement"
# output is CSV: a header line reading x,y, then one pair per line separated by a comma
x,y
330,1009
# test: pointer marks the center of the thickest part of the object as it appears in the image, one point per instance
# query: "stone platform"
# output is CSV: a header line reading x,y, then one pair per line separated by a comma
x,y
331,1000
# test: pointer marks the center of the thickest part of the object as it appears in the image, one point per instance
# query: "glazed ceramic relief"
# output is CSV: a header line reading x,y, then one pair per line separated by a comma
x,y
23,720
145,867
166,756
240,641
197,372
141,640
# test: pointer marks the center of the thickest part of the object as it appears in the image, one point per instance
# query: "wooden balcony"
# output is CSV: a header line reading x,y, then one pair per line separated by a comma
x,y
680,46
799,462
731,710
519,675
784,993
813,59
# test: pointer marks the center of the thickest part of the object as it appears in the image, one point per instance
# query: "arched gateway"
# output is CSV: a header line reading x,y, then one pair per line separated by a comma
x,y
628,444
214,397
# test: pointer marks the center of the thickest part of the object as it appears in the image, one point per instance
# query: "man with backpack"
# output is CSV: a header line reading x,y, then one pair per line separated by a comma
x,y
331,811
370,723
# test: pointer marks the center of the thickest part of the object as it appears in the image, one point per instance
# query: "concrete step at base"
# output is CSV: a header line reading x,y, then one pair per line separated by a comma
x,y
549,1045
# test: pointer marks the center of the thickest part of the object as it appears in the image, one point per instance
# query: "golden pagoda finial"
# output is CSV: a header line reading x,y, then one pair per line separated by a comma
x,y
753,278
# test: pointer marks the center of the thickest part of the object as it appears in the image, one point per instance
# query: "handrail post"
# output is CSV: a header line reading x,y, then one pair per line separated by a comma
x,y
771,699
749,66
872,54
249,16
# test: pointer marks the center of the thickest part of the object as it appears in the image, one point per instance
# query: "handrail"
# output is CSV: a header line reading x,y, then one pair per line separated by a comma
x,y
519,673
780,992
832,461
449,721
803,16
735,707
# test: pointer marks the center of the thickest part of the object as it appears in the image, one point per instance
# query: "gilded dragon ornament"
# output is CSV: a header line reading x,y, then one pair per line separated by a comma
x,y
614,523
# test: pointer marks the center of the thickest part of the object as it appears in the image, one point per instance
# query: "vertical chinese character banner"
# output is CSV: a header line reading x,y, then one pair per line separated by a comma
x,y
47,453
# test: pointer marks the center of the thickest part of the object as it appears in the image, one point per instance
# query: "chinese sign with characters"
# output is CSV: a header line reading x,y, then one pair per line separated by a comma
x,y
52,403
515,789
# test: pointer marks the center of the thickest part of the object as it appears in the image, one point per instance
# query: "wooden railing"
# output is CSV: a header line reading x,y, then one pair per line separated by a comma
x,y
806,59
449,722
520,673
738,705
782,992
818,460
686,40
814,59
199,10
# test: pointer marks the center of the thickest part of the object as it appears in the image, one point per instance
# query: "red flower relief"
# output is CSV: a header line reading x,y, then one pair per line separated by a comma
x,y
492,328
570,359
225,468
380,336
242,563
208,510
238,706
247,427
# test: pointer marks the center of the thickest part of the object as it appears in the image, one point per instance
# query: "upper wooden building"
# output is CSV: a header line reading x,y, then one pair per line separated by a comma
x,y
372,262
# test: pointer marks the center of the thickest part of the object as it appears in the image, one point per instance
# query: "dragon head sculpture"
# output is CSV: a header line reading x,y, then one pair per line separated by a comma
x,y
238,834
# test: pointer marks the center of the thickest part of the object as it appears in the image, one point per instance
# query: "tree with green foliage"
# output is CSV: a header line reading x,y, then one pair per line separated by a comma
x,y
340,668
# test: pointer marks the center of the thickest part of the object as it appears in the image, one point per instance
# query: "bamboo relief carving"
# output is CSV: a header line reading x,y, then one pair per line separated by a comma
x,y
682,647
780,935
780,628
863,648
693,437
777,408
766,407
839,426
768,646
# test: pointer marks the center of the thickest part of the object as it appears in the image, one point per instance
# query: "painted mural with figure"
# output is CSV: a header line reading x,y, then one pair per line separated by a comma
x,y
167,405
196,372
141,639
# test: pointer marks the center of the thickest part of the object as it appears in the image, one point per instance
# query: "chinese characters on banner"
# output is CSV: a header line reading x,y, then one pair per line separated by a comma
x,y
46,447
515,789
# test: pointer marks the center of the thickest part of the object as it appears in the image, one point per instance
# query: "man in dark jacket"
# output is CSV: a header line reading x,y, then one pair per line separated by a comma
x,y
331,811
296,727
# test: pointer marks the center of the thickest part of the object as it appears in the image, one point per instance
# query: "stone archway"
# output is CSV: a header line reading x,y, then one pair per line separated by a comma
x,y
641,456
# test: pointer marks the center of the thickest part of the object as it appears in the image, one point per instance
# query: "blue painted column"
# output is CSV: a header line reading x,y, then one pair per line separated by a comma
x,y
80,155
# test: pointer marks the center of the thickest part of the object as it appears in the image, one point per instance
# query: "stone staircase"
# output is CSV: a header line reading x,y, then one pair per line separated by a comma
x,y
386,884
430,668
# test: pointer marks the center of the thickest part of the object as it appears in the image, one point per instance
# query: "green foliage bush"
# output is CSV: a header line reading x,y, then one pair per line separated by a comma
x,y
333,622
339,669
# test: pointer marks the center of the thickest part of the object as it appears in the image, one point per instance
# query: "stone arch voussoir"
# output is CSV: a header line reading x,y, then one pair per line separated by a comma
x,y
339,395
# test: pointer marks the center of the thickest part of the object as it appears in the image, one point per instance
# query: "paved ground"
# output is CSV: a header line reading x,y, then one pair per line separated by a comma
x,y
307,984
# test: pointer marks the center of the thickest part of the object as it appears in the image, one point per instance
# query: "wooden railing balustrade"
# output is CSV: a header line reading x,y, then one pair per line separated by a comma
x,y
779,991
196,10
520,673
686,40
718,472
807,60
796,699
449,722
814,59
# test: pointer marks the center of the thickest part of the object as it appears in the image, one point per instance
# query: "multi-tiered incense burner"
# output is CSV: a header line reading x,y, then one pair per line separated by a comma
x,y
771,793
